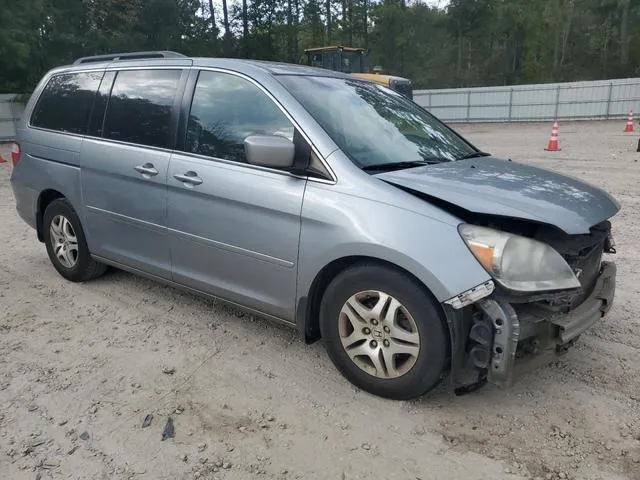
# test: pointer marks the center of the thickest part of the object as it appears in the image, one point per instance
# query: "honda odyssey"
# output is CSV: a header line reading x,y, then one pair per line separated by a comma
x,y
326,202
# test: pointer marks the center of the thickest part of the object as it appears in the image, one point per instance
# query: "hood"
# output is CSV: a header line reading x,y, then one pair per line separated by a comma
x,y
488,185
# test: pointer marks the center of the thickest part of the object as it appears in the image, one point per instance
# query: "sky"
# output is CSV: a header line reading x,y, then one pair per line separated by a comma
x,y
437,3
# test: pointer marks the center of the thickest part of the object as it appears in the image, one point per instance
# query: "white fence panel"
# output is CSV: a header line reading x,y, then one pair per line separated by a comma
x,y
521,103
8,114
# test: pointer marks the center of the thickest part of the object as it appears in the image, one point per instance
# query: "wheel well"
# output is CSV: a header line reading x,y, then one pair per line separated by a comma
x,y
45,198
311,311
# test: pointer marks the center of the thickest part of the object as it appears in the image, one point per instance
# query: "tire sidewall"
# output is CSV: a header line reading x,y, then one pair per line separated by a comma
x,y
428,370
62,207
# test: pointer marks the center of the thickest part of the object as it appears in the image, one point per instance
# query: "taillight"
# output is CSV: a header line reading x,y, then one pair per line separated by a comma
x,y
10,151
16,151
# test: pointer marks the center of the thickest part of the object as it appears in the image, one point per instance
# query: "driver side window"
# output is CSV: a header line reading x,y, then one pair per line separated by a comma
x,y
225,110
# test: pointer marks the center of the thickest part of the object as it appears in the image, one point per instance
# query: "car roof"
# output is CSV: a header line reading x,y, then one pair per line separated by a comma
x,y
276,68
234,64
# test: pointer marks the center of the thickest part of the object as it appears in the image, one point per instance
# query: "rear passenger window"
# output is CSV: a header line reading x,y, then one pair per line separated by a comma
x,y
65,103
140,107
225,110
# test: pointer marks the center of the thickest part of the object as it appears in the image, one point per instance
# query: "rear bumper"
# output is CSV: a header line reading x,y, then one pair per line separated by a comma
x,y
504,337
26,199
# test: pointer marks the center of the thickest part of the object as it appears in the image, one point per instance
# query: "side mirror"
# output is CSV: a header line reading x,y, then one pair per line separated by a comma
x,y
269,151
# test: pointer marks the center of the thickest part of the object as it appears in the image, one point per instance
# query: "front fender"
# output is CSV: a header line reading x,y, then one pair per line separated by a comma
x,y
340,225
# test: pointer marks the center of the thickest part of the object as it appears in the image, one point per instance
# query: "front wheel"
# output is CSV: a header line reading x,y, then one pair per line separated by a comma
x,y
384,332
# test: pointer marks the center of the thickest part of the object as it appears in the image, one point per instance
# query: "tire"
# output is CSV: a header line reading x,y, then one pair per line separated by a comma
x,y
60,224
417,317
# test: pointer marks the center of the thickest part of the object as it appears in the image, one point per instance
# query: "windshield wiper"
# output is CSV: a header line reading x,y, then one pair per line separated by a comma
x,y
475,155
387,167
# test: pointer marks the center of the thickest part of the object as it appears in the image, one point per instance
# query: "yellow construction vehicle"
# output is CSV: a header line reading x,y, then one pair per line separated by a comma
x,y
355,61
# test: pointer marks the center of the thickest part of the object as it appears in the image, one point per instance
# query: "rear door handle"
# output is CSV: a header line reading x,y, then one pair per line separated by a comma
x,y
190,178
146,170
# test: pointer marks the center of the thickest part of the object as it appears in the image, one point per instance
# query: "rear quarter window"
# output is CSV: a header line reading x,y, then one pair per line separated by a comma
x,y
66,101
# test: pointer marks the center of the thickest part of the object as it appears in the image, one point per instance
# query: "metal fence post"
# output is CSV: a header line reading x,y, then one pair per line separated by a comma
x,y
468,105
555,114
510,102
609,101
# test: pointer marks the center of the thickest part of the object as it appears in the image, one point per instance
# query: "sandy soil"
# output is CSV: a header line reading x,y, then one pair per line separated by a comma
x,y
81,365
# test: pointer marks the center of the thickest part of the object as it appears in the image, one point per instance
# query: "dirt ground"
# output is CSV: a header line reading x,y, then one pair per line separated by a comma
x,y
81,365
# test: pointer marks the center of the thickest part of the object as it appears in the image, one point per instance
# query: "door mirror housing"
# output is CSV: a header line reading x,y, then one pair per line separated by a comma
x,y
269,151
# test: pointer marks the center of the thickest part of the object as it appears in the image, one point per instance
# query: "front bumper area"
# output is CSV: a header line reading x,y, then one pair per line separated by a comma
x,y
573,323
503,336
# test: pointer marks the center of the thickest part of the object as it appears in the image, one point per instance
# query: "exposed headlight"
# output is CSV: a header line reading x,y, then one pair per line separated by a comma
x,y
518,263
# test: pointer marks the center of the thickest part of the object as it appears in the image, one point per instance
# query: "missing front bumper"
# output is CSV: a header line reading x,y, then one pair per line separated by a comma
x,y
506,332
502,334
581,318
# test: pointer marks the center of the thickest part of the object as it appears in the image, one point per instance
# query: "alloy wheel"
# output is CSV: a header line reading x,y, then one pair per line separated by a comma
x,y
64,241
379,334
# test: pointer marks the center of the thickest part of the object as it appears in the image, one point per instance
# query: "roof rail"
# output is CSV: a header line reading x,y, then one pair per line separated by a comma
x,y
129,56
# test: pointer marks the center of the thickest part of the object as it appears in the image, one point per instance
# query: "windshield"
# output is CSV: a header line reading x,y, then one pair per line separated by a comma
x,y
374,125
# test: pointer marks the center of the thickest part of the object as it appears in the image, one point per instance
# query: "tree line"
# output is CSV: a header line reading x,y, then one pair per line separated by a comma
x,y
467,43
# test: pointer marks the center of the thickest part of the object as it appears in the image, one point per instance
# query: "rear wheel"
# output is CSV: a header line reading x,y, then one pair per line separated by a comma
x,y
66,243
384,332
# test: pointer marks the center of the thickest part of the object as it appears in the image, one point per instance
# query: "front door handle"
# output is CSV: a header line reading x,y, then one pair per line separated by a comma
x,y
147,170
189,177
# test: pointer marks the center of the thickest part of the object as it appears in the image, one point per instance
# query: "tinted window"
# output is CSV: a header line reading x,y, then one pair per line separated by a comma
x,y
225,110
65,103
140,107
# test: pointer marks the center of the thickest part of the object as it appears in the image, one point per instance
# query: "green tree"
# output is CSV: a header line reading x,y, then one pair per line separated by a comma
x,y
470,43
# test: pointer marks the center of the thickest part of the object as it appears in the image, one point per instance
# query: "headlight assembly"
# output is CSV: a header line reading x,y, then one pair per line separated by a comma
x,y
518,263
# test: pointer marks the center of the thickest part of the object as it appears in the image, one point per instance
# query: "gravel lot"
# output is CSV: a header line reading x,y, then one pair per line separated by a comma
x,y
81,365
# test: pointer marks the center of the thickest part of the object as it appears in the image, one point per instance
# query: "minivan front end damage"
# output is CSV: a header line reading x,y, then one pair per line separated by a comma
x,y
496,332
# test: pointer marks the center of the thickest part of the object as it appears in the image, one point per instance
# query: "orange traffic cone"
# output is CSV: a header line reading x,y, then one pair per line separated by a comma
x,y
553,145
629,126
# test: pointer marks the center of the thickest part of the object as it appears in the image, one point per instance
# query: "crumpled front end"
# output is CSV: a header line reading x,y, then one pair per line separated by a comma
x,y
503,332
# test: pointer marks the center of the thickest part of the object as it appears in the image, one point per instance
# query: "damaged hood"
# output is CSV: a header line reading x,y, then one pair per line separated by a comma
x,y
488,185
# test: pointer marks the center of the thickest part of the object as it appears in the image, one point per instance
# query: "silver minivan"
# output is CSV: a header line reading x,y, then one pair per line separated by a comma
x,y
319,200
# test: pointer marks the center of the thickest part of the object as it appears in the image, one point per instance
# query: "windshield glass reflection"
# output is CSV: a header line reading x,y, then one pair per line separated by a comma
x,y
374,125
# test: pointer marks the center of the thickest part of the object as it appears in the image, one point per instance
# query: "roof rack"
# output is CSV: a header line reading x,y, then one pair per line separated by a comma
x,y
129,56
